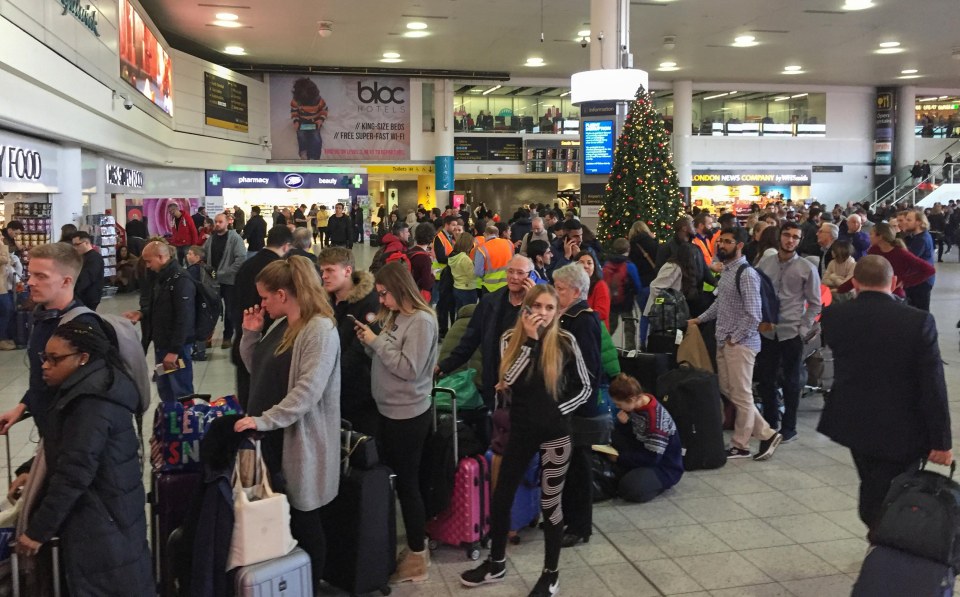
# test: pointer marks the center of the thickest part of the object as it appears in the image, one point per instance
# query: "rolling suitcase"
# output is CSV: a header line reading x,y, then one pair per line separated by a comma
x,y
692,397
889,572
170,498
22,323
525,511
287,576
466,522
646,367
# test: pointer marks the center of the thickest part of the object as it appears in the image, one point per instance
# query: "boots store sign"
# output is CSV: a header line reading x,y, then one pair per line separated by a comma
x,y
26,166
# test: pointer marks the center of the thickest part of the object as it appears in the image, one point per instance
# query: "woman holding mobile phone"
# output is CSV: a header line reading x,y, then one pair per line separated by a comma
x,y
544,372
404,354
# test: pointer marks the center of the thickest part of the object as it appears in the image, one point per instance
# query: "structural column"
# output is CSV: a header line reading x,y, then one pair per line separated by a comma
x,y
904,150
443,135
682,129
603,21
67,205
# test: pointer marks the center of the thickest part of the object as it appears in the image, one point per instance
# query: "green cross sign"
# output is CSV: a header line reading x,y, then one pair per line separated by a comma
x,y
215,180
357,181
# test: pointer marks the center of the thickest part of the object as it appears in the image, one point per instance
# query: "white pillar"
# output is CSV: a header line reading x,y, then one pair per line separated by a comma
x,y
905,146
443,135
100,198
682,129
603,20
67,205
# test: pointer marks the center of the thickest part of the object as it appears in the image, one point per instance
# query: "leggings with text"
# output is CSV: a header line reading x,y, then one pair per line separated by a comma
x,y
554,460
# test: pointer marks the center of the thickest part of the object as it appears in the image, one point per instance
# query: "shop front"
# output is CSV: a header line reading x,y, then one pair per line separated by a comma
x,y
29,175
737,190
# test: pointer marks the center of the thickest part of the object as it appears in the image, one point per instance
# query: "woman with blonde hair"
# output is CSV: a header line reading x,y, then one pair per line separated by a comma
x,y
544,374
404,354
295,394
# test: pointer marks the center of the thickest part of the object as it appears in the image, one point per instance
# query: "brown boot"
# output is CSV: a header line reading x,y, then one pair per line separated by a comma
x,y
412,568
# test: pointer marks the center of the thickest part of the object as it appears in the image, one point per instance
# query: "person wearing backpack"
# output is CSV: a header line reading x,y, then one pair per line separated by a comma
x,y
623,279
738,312
208,291
394,241
225,253
797,285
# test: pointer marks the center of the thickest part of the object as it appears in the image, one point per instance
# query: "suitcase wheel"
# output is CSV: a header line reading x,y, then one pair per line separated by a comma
x,y
433,544
473,552
385,590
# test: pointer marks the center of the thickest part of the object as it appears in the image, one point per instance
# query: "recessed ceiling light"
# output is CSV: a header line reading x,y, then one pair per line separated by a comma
x,y
890,44
782,98
226,16
798,95
792,72
792,67
890,50
910,77
391,55
416,25
565,94
667,64
744,41
535,62
391,60
492,89
234,51
909,71
583,33
416,34
857,4
227,24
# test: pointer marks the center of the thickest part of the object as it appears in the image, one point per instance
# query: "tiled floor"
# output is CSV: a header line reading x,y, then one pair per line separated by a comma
x,y
784,527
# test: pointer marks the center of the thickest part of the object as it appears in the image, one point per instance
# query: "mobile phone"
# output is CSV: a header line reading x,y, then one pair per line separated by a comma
x,y
527,310
352,319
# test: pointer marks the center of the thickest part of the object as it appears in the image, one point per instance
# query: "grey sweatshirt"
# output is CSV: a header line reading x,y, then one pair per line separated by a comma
x,y
402,369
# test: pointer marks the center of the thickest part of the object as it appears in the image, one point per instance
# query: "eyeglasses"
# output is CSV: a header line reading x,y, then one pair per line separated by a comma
x,y
55,359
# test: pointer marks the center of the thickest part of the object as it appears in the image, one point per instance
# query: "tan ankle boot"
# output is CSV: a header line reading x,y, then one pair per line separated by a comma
x,y
412,568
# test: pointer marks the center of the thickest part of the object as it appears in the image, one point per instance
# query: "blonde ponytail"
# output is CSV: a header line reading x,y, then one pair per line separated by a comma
x,y
298,277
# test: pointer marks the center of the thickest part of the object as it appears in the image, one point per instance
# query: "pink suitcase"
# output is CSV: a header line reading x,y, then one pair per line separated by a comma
x,y
466,523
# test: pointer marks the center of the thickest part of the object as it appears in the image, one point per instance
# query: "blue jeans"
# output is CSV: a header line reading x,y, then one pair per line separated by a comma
x,y
7,312
642,299
179,383
310,144
464,297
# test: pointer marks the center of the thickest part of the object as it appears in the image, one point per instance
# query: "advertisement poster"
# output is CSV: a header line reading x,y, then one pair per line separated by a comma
x,y
143,61
339,118
154,213
883,138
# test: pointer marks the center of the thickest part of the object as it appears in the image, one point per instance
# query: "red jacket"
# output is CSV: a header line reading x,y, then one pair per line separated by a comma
x,y
599,301
184,233
391,243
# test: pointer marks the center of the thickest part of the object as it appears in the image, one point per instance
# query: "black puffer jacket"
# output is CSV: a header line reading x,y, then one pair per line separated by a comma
x,y
356,401
93,497
171,309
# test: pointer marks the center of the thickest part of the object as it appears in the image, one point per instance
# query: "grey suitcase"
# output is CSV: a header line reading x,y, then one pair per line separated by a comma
x,y
289,576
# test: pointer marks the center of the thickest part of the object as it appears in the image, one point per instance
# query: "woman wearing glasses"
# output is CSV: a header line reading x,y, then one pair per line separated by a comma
x,y
404,353
93,489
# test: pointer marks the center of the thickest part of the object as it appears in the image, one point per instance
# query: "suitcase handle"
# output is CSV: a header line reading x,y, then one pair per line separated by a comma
x,y
953,466
453,408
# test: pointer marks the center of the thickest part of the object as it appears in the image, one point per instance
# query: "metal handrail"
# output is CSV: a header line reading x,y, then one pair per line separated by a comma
x,y
945,173
875,198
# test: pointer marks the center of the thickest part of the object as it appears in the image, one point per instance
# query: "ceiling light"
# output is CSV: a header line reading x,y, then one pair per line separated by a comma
x,y
234,51
793,67
227,24
416,25
889,50
781,98
391,55
798,95
890,44
534,62
667,64
910,77
583,33
391,60
492,89
744,41
226,16
710,97
565,94
942,97
857,4
908,71
416,34
792,72
927,99
668,69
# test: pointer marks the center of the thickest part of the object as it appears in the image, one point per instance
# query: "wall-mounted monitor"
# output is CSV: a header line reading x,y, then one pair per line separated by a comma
x,y
597,141
144,63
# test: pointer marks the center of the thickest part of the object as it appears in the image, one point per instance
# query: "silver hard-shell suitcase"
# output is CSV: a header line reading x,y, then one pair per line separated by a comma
x,y
288,576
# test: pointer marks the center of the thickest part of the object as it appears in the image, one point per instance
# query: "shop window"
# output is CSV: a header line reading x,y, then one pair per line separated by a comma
x,y
937,117
514,110
758,114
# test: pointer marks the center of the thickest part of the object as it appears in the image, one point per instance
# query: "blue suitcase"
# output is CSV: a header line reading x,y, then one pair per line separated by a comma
x,y
526,502
889,572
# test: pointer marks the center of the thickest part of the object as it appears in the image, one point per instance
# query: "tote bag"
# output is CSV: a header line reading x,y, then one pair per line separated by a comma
x,y
261,520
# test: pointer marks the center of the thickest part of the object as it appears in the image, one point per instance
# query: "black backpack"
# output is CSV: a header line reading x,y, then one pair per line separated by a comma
x,y
207,309
769,301
669,312
921,516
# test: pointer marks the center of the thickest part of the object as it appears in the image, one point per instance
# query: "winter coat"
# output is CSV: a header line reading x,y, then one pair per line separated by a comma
x,y
255,232
184,232
356,400
234,255
170,311
340,230
94,495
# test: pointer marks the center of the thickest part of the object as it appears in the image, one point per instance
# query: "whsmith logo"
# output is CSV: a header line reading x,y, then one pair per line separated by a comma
x,y
83,13
380,95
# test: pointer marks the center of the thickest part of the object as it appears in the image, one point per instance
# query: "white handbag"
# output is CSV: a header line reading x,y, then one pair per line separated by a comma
x,y
261,525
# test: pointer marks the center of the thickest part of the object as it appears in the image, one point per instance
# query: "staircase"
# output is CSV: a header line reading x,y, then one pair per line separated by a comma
x,y
906,190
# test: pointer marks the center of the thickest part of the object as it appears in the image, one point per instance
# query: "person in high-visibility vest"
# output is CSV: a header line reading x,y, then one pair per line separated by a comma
x,y
490,260
443,292
703,225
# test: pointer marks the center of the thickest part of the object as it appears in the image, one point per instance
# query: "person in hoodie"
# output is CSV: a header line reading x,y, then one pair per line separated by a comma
x,y
649,459
521,225
93,492
352,295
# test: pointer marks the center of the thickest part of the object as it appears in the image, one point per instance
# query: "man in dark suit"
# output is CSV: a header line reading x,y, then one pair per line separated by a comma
x,y
889,397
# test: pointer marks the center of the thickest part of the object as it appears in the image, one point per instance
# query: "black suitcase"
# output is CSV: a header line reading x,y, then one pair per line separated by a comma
x,y
361,529
692,396
170,498
646,367
374,239
22,326
889,572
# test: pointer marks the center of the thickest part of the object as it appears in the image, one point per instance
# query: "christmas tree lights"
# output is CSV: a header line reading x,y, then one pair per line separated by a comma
x,y
643,184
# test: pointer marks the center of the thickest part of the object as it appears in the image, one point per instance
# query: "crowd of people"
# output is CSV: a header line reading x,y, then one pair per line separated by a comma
x,y
540,298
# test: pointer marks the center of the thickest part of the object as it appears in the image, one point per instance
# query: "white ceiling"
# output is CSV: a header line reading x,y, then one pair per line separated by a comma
x,y
835,47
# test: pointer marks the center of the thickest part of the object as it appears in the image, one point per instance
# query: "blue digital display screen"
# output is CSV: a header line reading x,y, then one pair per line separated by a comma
x,y
598,147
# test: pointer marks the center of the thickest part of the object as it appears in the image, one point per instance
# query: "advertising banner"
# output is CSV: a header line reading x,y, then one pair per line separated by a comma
x,y
143,61
796,178
883,136
340,118
217,180
154,213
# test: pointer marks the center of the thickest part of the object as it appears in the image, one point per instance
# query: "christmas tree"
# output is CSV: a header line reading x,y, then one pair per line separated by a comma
x,y
643,184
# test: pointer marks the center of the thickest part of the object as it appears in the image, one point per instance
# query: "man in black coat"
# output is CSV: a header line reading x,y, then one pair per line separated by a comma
x,y
89,288
245,295
255,230
352,293
889,398
340,228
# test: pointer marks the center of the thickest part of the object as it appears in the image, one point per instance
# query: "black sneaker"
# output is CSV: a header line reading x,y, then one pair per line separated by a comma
x,y
735,452
768,447
547,585
487,572
789,436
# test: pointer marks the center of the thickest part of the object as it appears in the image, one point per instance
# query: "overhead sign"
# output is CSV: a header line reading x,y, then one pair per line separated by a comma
x,y
828,168
218,180
27,165
119,176
794,178
488,149
598,147
225,103
358,119
560,156
401,169
82,12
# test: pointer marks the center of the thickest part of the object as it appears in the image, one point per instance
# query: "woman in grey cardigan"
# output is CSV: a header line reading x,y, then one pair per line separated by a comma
x,y
294,394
